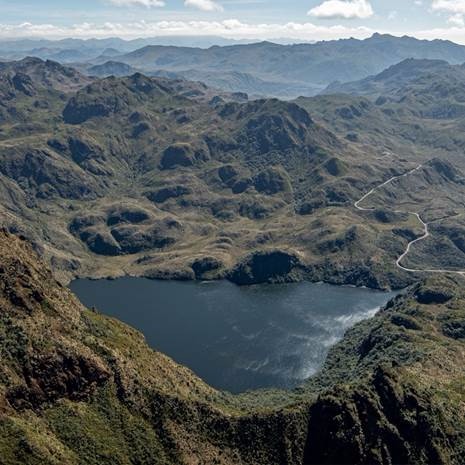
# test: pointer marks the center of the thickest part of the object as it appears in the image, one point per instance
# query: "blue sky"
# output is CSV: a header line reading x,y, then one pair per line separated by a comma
x,y
256,19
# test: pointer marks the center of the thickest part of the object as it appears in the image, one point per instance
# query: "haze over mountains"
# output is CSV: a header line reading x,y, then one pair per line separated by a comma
x,y
266,69
68,50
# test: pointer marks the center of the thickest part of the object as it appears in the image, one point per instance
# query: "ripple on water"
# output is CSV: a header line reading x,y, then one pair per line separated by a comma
x,y
237,338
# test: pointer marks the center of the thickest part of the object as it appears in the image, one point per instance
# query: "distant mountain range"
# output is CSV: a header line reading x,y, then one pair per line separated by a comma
x,y
287,70
72,50
397,76
263,69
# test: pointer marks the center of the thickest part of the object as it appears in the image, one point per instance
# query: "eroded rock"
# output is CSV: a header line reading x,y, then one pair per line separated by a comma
x,y
265,266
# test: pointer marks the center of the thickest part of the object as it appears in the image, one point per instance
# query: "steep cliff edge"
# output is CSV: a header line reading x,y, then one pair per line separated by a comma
x,y
77,387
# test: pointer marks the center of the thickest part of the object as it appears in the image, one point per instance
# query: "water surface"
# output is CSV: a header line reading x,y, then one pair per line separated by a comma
x,y
236,338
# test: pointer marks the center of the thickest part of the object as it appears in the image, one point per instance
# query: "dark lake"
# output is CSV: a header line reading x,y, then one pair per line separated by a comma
x,y
236,338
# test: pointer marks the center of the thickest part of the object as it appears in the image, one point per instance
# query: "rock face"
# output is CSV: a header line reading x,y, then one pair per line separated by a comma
x,y
265,266
89,388
54,377
342,426
177,155
203,266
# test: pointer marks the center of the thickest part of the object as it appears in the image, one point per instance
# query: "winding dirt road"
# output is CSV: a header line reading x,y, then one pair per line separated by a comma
x,y
417,215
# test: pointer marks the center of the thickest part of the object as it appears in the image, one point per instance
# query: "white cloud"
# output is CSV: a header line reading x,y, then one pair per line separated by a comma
x,y
449,6
342,9
231,28
456,20
205,5
456,7
146,3
454,34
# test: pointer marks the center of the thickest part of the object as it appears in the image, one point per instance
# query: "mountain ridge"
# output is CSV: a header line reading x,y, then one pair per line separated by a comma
x,y
304,68
314,65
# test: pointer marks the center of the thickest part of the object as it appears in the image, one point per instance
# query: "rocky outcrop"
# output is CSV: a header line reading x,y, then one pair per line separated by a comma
x,y
125,230
202,267
265,266
170,192
132,239
42,174
433,295
180,155
23,83
346,426
57,376
127,214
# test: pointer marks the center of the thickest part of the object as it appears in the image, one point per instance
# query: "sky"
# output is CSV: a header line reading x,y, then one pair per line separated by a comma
x,y
306,20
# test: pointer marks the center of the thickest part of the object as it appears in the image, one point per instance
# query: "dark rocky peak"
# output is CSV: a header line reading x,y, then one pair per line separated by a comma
x,y
275,106
114,95
23,83
267,109
270,125
48,75
411,68
409,74
141,83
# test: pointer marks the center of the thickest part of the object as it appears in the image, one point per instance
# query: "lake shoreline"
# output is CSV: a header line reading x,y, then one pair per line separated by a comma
x,y
335,281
